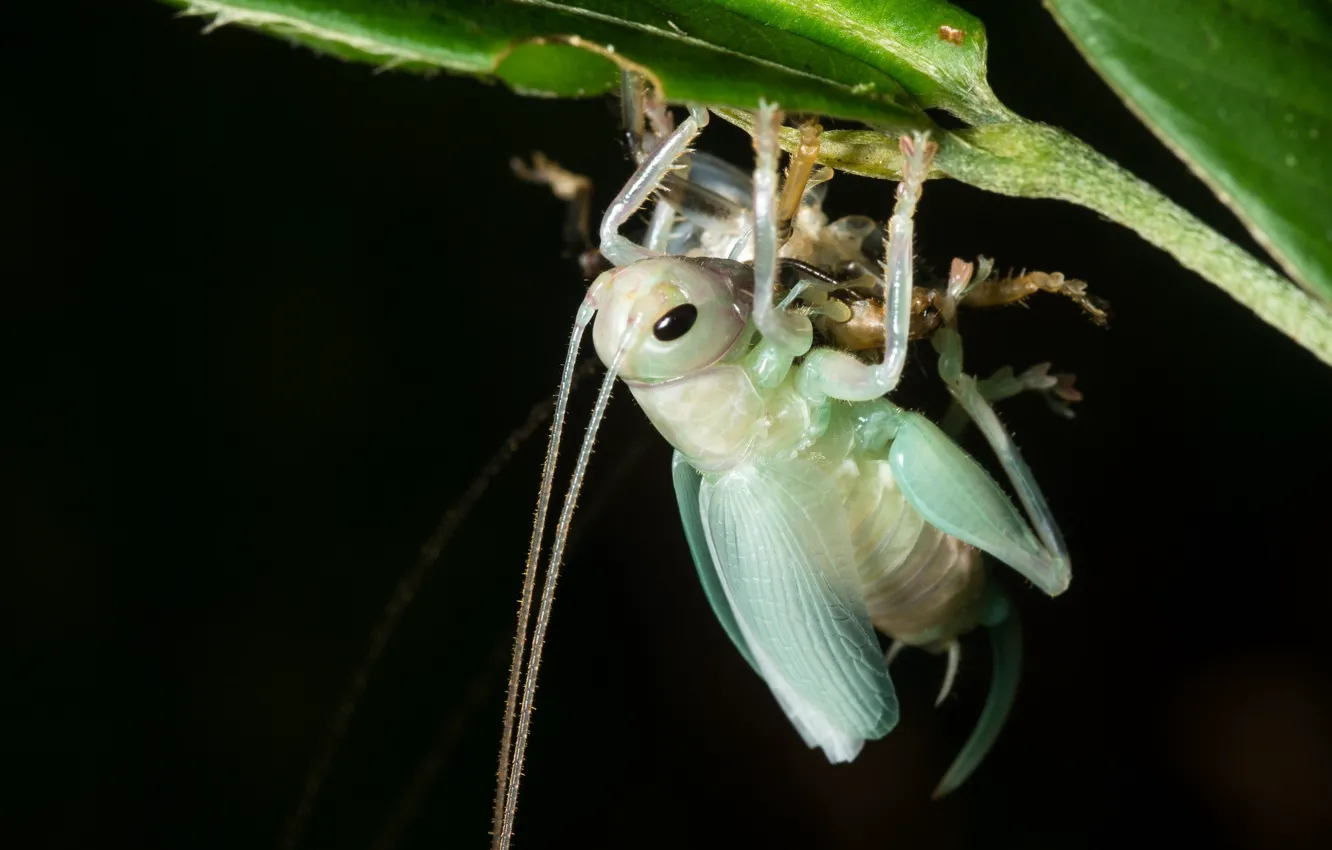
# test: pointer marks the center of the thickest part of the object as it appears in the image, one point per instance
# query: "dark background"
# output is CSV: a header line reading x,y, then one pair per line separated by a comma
x,y
266,314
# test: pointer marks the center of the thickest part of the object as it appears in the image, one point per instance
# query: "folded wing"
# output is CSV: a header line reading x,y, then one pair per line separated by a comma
x,y
779,543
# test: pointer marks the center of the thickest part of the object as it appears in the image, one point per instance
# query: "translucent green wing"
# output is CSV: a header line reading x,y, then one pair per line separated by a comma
x,y
687,482
779,541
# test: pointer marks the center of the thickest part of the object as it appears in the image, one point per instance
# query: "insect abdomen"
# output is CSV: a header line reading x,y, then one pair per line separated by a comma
x,y
922,586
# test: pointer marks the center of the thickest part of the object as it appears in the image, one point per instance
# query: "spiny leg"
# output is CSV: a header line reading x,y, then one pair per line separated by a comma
x,y
989,291
830,373
640,108
858,325
616,247
1050,567
788,332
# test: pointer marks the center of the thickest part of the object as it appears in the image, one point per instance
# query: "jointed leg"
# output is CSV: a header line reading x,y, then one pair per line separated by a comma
x,y
798,171
658,235
790,333
644,117
617,248
646,121
990,291
828,373
1052,566
1057,390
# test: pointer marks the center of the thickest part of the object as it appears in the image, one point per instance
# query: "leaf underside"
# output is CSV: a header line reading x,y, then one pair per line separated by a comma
x,y
722,53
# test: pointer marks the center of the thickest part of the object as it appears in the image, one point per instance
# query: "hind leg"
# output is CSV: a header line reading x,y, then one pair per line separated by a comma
x,y
1051,562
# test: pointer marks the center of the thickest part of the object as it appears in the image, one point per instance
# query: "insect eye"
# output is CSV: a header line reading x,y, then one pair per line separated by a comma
x,y
676,323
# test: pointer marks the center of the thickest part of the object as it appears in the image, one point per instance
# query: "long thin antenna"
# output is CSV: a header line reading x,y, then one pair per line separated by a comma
x,y
402,596
453,726
533,559
504,836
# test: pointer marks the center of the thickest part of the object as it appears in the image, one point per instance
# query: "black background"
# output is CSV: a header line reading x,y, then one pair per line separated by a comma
x,y
266,315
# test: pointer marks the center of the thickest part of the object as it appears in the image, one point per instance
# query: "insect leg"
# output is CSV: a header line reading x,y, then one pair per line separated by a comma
x,y
783,336
1011,289
616,247
797,178
830,373
642,108
790,333
638,109
632,125
1051,563
1057,390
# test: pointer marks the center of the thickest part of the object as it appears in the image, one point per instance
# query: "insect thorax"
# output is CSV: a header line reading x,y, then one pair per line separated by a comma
x,y
718,419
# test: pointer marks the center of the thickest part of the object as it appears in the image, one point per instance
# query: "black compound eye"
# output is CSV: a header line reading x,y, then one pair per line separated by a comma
x,y
676,323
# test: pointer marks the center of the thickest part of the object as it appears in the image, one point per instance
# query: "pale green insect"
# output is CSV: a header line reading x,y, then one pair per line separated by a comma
x,y
816,509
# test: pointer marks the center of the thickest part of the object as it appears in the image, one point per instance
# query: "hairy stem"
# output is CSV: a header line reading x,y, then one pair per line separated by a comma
x,y
1033,160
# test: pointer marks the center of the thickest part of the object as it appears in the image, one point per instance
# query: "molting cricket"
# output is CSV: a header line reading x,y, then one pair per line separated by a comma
x,y
758,341
831,527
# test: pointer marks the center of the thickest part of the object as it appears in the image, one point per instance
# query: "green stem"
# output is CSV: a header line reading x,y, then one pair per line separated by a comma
x,y
1033,160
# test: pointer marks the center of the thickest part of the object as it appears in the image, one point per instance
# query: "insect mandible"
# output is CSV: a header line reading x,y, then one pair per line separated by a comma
x,y
816,509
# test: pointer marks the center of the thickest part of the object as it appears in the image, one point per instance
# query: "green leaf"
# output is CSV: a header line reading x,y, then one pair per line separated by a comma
x,y
700,52
1241,90
907,39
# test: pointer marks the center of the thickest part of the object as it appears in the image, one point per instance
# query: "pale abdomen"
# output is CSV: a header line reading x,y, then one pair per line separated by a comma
x,y
923,586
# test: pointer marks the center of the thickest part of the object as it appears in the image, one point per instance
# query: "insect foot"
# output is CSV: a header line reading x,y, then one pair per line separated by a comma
x,y
1057,388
